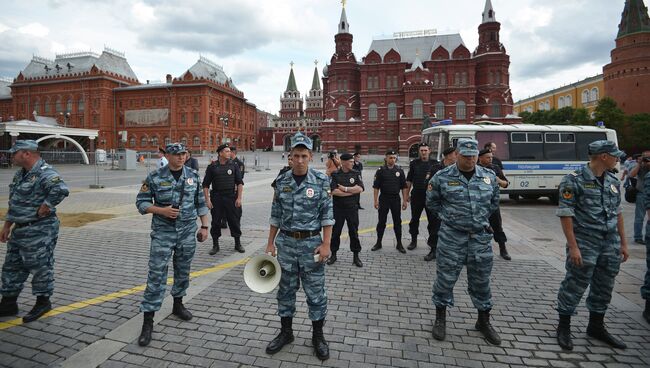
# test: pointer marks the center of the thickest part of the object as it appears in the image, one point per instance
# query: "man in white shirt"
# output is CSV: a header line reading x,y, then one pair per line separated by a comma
x,y
161,155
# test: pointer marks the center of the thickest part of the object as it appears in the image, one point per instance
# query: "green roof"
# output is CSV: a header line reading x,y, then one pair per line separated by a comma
x,y
634,18
291,84
315,83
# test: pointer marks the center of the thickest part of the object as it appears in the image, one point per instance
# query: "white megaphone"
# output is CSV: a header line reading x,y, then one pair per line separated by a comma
x,y
262,273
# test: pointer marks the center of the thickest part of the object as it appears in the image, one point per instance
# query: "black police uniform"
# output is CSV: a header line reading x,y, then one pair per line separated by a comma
x,y
434,221
389,181
419,174
282,171
346,209
223,179
496,223
240,164
359,167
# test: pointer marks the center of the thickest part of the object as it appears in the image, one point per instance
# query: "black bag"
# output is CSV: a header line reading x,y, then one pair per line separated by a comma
x,y
630,194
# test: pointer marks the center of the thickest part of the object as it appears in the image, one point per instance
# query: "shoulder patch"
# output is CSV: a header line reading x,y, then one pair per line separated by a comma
x,y
55,179
567,193
144,188
575,174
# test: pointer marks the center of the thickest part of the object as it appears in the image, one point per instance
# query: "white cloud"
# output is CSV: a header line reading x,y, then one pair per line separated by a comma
x,y
143,12
34,29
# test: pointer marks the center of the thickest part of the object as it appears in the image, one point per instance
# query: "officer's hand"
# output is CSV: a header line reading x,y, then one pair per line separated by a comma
x,y
405,204
209,204
237,202
169,212
376,205
324,251
43,210
270,248
575,257
202,235
4,234
624,253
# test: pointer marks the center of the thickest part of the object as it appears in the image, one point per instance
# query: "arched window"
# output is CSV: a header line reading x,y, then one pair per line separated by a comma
x,y
168,141
456,79
560,102
594,94
68,105
568,101
547,105
440,110
37,107
154,141
443,79
143,142
341,114
585,96
196,141
132,141
81,105
59,105
463,79
461,110
47,108
372,112
496,109
417,109
184,141
392,111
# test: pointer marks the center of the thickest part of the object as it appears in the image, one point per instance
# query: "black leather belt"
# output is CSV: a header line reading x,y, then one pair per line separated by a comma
x,y
302,234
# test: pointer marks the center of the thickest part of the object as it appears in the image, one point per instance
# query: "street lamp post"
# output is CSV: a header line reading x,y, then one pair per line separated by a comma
x,y
224,124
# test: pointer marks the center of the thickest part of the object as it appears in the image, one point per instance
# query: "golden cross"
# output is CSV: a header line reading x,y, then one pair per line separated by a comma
x,y
316,62
343,2
291,63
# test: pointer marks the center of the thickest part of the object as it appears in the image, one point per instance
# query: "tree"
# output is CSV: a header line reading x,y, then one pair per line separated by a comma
x,y
608,112
581,117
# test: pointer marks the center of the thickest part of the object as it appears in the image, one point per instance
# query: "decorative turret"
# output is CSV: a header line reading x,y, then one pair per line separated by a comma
x,y
634,18
315,98
291,102
343,38
488,32
488,13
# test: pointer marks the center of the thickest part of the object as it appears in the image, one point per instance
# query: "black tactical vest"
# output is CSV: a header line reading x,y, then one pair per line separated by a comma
x,y
223,178
420,170
349,179
390,180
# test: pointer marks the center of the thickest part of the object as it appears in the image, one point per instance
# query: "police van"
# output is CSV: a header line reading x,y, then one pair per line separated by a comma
x,y
535,157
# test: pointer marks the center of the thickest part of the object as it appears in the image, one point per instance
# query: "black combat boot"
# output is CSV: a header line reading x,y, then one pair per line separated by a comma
x,y
238,246
503,251
564,333
377,245
8,306
413,244
284,337
431,255
180,311
215,247
356,260
318,340
332,259
147,329
440,325
646,312
41,307
483,325
400,248
596,329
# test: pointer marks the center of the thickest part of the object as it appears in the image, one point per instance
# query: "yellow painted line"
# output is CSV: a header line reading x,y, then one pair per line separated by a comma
x,y
120,294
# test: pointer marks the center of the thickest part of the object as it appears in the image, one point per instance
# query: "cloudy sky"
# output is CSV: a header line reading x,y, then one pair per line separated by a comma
x,y
550,42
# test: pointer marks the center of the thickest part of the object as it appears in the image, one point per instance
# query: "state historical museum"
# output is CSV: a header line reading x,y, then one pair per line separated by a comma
x,y
412,78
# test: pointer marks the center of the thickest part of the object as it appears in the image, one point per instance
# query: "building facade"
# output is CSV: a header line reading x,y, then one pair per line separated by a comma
x,y
410,80
583,94
627,77
200,108
292,116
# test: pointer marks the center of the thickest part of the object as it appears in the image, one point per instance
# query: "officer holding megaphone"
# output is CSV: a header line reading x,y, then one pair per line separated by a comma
x,y
301,210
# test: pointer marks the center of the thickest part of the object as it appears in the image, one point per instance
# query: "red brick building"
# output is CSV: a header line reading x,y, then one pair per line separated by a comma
x,y
627,77
382,101
85,90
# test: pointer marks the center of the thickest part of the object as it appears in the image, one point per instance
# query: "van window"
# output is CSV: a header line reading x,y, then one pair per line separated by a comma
x,y
583,140
526,146
499,138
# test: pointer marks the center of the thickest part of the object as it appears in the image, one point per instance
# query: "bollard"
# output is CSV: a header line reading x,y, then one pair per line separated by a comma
x,y
96,185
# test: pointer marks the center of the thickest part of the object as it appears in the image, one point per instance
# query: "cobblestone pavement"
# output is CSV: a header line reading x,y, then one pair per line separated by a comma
x,y
380,315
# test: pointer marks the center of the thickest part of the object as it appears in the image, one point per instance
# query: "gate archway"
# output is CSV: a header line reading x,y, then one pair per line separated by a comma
x,y
67,139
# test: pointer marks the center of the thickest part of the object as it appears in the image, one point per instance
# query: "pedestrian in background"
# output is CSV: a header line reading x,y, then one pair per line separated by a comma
x,y
192,162
173,195
31,230
639,171
162,160
592,222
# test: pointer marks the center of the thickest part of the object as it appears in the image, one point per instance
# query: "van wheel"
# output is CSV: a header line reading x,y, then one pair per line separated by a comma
x,y
514,197
531,196
555,199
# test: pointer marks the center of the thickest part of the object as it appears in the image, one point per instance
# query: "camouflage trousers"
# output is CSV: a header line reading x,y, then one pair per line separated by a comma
x,y
296,258
601,261
179,242
30,249
645,288
455,249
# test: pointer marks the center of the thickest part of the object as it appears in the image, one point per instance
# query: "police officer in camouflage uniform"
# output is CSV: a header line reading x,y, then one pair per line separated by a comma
x,y
302,206
592,222
645,289
34,193
416,181
346,189
225,199
390,181
464,196
173,195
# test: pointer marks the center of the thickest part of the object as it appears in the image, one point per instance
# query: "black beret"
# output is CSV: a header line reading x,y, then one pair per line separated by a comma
x,y
346,156
356,154
423,144
484,151
233,148
390,152
220,148
448,150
